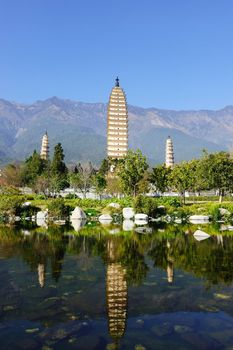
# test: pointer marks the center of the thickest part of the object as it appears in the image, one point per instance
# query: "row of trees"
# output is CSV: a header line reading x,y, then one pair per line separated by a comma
x,y
210,172
131,175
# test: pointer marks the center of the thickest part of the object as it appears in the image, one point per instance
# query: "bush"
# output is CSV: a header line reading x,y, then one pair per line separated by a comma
x,y
146,205
169,201
92,212
11,205
71,196
58,209
28,211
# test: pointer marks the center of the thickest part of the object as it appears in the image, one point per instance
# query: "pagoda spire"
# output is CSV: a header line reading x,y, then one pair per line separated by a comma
x,y
117,84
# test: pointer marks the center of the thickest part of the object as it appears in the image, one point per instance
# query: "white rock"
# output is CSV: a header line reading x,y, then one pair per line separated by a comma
x,y
128,213
155,219
42,215
128,225
141,216
114,205
178,221
200,235
199,219
59,222
114,231
168,218
105,219
77,224
78,214
224,211
143,230
26,232
41,222
141,222
26,204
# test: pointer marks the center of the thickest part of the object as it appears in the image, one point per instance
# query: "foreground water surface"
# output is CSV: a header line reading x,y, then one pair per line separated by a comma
x,y
102,288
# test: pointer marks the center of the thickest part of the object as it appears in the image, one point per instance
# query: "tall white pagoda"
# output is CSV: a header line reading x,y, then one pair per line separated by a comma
x,y
117,133
44,153
169,161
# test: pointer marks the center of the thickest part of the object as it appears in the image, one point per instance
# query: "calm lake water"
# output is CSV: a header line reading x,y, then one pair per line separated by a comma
x,y
102,288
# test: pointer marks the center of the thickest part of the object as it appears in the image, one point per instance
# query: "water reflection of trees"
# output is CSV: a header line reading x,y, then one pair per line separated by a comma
x,y
210,259
39,251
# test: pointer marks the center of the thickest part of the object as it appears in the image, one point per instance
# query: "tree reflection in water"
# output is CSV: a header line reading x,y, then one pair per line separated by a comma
x,y
126,257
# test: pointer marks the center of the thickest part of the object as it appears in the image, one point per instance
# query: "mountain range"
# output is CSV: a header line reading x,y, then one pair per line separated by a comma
x,y
81,129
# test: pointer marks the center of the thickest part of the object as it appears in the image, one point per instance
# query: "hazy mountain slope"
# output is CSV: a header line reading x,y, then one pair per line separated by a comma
x,y
81,128
153,141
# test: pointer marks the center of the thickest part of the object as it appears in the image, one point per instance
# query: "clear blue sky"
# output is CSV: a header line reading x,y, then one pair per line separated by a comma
x,y
168,53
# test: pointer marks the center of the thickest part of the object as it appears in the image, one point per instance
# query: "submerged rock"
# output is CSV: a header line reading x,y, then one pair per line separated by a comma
x,y
182,328
141,222
78,224
139,347
200,235
161,330
199,219
143,230
42,215
128,225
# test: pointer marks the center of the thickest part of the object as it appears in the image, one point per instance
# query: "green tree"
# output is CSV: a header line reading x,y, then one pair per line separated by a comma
x,y
82,178
34,166
131,171
114,186
99,183
104,167
42,184
59,170
11,176
160,177
180,178
217,169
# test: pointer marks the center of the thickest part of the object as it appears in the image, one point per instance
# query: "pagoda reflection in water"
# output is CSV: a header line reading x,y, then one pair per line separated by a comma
x,y
116,294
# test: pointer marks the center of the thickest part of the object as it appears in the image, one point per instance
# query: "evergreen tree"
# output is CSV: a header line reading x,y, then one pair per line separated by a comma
x,y
59,170
58,166
34,167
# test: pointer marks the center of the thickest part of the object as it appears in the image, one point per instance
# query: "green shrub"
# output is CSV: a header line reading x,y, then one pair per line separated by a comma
x,y
40,196
28,211
169,201
10,205
92,212
57,209
146,205
71,196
